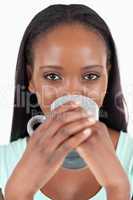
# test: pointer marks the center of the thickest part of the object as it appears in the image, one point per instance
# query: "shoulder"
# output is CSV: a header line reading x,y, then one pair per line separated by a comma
x,y
122,139
127,142
13,148
10,154
125,152
128,154
123,142
126,148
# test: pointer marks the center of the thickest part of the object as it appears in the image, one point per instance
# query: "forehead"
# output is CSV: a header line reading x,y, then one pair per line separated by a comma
x,y
75,43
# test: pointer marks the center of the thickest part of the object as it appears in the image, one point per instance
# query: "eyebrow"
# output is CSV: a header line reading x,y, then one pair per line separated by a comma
x,y
61,68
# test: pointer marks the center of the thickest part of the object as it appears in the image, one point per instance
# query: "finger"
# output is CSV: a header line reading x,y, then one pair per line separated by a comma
x,y
70,130
61,120
63,108
71,143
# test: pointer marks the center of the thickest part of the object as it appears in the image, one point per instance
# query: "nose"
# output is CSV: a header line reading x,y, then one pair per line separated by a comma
x,y
73,87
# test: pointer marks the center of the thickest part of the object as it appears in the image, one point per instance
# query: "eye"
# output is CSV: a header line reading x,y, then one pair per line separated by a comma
x,y
92,76
52,76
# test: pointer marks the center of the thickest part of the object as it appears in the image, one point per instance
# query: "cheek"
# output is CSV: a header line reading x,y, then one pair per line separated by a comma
x,y
46,94
98,90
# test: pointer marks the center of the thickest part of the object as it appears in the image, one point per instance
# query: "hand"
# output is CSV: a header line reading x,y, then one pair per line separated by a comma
x,y
46,150
99,154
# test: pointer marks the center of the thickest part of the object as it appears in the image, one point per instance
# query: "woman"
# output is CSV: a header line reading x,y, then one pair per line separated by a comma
x,y
73,44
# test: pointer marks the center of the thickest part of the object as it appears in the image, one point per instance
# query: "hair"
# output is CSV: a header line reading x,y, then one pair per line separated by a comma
x,y
112,112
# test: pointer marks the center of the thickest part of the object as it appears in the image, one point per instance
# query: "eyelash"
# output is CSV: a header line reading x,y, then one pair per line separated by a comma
x,y
97,76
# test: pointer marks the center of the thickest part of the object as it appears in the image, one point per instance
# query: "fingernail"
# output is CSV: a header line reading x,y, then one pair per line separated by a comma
x,y
75,104
91,120
89,113
87,132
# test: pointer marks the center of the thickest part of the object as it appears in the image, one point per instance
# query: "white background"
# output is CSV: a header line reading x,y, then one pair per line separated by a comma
x,y
14,18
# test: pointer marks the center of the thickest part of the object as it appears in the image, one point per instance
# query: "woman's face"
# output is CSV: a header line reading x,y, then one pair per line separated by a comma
x,y
71,59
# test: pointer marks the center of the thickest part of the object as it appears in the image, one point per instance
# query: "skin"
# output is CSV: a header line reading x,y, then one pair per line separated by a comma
x,y
59,48
72,47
